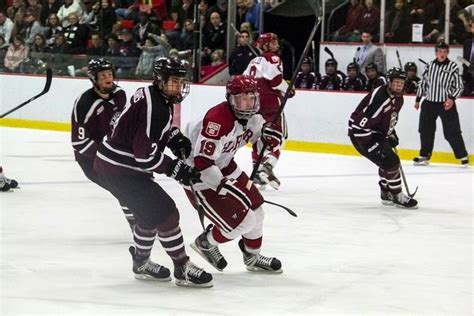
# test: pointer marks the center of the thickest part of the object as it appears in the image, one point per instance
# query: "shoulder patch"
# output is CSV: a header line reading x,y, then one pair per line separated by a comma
x,y
212,129
138,95
275,59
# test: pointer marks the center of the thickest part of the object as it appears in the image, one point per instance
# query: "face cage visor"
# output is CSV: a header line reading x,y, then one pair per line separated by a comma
x,y
176,89
245,105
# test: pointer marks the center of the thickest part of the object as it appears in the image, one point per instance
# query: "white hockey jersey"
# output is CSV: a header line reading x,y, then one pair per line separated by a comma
x,y
268,70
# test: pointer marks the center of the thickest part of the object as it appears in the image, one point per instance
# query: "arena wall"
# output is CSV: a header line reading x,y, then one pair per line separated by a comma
x,y
317,120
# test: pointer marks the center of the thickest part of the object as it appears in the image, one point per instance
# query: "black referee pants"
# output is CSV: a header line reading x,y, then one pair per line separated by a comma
x,y
451,128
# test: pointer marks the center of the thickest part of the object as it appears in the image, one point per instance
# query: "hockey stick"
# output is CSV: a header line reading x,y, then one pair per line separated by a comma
x,y
198,204
405,183
49,78
317,10
329,52
282,206
421,60
399,60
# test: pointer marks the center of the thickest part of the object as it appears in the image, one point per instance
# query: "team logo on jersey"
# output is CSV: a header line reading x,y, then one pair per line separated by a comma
x,y
114,119
275,59
212,129
100,110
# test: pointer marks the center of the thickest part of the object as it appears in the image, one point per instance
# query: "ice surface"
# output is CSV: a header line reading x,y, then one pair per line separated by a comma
x,y
64,242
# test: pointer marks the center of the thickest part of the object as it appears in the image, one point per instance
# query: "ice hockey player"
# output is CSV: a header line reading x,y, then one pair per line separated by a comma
x,y
126,161
268,70
372,132
354,81
306,79
333,79
5,183
411,85
227,196
375,79
94,114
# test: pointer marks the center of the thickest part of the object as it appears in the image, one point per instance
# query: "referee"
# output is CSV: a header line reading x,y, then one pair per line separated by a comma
x,y
441,84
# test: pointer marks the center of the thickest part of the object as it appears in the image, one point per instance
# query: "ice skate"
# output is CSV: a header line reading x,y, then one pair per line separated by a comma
x,y
189,275
268,177
209,252
258,262
465,162
259,181
404,201
421,161
148,270
385,195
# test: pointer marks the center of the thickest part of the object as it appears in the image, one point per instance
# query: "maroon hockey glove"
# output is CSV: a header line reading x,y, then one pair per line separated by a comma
x,y
271,136
182,173
179,144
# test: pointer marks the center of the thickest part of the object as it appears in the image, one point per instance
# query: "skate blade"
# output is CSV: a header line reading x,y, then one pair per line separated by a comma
x,y
406,207
423,163
264,271
274,185
387,202
145,277
262,187
185,283
199,252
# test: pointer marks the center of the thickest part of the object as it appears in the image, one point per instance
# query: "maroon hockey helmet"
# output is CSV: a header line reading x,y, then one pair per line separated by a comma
x,y
243,97
266,38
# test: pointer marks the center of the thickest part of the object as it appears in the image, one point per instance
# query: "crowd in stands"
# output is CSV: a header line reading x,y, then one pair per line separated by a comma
x,y
401,15
131,33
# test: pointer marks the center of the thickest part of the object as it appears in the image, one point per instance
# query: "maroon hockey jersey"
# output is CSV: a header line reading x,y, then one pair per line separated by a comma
x,y
375,116
139,137
92,119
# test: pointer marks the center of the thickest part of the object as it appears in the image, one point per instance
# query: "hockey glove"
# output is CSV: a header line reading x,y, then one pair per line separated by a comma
x,y
179,144
182,173
271,136
393,139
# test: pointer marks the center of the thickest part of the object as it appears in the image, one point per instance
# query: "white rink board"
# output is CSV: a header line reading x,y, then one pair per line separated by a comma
x,y
313,116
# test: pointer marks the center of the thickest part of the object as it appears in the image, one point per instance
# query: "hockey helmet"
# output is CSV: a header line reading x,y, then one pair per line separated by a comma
x,y
371,66
242,94
353,66
410,66
266,38
307,61
97,65
163,69
395,73
331,62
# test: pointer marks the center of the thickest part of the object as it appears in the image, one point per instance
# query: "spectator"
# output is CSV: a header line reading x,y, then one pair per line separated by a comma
x,y
354,80
246,26
253,14
215,35
150,51
186,39
34,8
17,7
468,72
241,56
6,27
97,47
106,17
179,14
398,27
31,27
3,52
306,79
354,15
217,60
221,7
241,12
128,46
424,11
17,53
59,44
412,82
370,21
76,35
49,6
18,24
457,33
113,46
39,44
369,53
375,78
126,10
69,6
53,27
333,79
204,12
143,28
89,16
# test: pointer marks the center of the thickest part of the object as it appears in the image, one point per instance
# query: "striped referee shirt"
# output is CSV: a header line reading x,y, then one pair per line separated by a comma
x,y
440,81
